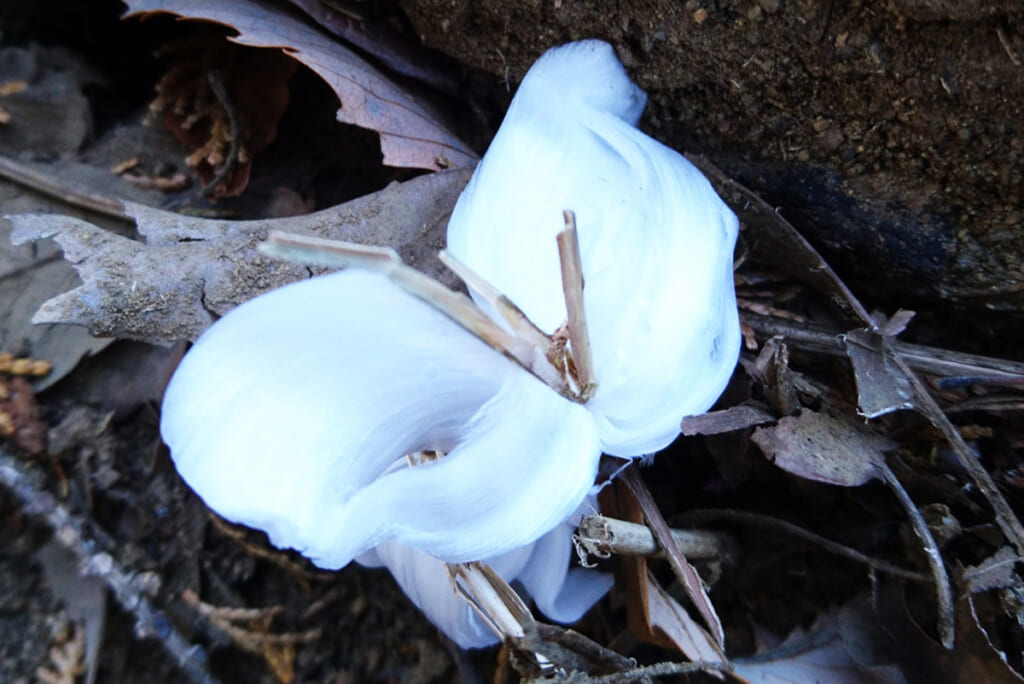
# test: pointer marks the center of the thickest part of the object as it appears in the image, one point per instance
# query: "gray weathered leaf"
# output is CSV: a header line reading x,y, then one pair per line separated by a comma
x,y
190,270
822,448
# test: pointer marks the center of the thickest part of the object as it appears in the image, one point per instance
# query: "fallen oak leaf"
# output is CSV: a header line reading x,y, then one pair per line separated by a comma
x,y
191,270
410,134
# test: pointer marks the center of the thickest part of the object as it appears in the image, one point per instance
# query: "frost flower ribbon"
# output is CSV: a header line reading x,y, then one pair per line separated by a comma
x,y
295,411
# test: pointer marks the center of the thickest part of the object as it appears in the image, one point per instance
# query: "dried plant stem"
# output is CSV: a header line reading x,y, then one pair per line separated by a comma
x,y
684,572
519,321
943,589
601,536
301,575
1008,521
220,91
768,522
572,288
931,360
228,613
455,305
127,587
645,672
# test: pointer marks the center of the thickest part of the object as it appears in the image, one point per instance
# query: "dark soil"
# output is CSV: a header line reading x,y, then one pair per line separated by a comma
x,y
887,132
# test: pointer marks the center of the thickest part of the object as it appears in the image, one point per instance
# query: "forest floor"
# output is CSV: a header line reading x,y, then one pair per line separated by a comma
x,y
847,549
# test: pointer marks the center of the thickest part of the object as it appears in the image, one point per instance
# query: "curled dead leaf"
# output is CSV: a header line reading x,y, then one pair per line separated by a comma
x,y
410,134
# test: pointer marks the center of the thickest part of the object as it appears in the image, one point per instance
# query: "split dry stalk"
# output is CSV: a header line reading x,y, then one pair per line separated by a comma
x,y
572,288
497,604
515,317
455,305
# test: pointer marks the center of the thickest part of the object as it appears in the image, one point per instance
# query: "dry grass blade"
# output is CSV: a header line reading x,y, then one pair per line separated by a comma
x,y
572,287
455,305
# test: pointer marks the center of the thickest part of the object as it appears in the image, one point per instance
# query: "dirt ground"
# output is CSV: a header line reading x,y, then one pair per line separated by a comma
x,y
886,133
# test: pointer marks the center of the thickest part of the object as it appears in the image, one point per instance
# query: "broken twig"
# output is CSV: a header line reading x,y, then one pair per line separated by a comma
x,y
128,588
602,536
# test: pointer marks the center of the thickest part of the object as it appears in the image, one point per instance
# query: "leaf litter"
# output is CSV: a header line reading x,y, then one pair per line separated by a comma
x,y
411,135
794,402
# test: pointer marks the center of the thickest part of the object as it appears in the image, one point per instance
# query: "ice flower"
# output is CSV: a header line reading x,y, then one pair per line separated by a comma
x,y
296,412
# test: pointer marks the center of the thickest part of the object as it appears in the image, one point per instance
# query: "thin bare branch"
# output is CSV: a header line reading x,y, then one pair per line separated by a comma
x,y
943,589
768,522
130,589
645,672
572,288
455,305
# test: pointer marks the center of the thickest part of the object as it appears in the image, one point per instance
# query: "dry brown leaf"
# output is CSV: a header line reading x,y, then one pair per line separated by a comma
x,y
995,572
881,387
674,627
410,134
191,270
822,448
974,659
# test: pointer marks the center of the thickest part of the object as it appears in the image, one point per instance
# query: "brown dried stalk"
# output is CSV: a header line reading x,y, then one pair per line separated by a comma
x,y
455,305
572,288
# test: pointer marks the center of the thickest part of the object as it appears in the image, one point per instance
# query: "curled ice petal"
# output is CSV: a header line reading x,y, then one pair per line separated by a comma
x,y
523,463
656,243
288,413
